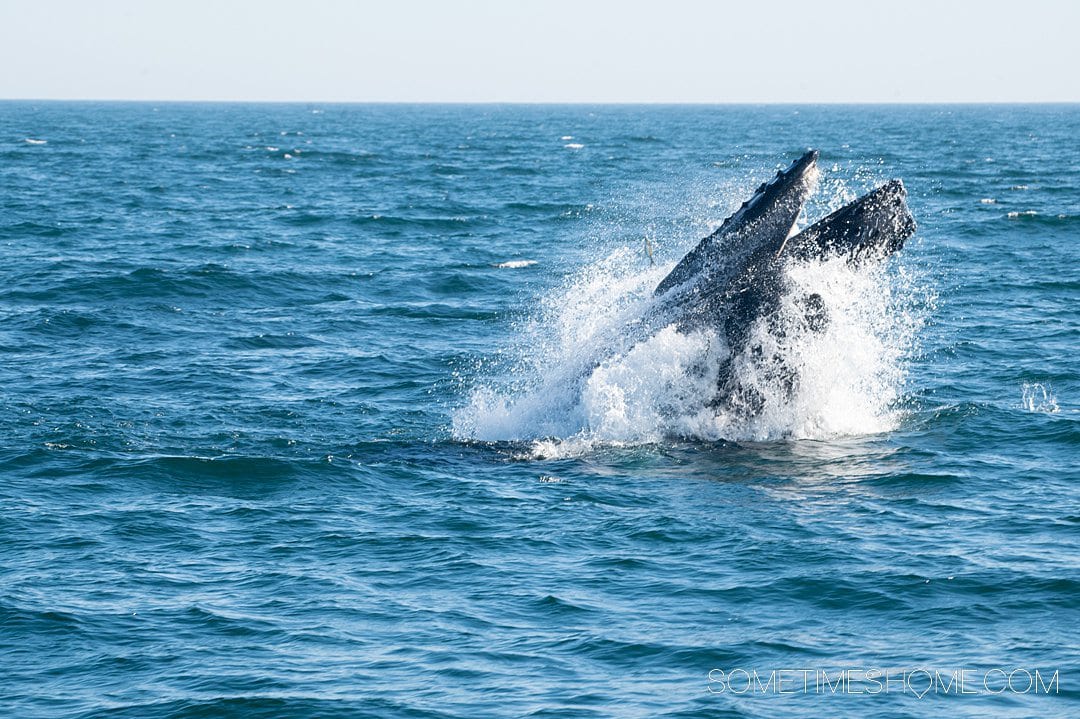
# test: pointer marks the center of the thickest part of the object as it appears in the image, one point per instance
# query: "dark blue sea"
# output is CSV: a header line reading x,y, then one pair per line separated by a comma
x,y
290,426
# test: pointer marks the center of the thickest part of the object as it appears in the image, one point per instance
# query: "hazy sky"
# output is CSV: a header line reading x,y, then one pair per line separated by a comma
x,y
543,50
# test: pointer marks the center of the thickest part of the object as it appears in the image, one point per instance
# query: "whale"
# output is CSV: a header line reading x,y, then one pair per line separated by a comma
x,y
734,278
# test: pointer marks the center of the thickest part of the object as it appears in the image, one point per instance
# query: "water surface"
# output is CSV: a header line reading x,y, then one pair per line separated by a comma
x,y
247,468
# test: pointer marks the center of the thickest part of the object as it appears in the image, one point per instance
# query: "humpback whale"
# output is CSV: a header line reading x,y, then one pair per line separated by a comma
x,y
734,277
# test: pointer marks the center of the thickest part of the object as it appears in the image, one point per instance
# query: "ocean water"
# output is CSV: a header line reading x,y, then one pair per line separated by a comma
x,y
294,422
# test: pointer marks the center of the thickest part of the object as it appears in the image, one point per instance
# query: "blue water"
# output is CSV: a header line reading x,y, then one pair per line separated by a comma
x,y
280,438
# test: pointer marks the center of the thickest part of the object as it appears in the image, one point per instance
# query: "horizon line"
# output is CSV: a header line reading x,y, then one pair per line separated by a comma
x,y
627,103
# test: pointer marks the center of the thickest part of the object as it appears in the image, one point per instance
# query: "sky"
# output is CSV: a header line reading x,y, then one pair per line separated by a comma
x,y
591,51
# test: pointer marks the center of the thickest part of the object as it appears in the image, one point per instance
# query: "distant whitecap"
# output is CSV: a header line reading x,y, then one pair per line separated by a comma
x,y
32,141
515,264
574,146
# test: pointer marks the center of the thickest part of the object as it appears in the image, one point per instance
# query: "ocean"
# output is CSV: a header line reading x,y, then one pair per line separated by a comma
x,y
291,426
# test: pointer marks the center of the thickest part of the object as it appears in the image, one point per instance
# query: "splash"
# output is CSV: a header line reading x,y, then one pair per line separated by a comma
x,y
849,375
581,378
1037,397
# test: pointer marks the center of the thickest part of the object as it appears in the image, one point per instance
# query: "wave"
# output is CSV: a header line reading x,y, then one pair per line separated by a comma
x,y
341,157
514,264
553,209
37,229
431,223
1057,220
170,285
288,340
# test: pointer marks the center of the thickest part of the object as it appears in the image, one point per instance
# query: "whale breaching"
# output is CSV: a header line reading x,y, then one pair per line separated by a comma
x,y
772,325
734,277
